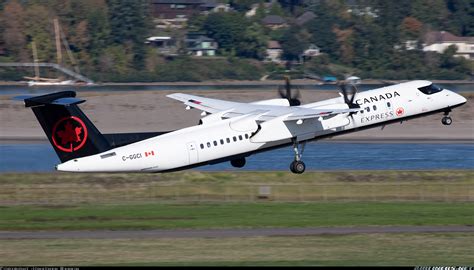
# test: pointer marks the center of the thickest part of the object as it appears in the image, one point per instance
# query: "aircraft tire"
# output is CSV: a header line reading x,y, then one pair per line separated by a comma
x,y
447,121
238,163
297,167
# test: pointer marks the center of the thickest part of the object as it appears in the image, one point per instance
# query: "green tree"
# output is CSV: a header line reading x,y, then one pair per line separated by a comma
x,y
294,42
13,34
460,20
228,29
253,44
321,29
129,24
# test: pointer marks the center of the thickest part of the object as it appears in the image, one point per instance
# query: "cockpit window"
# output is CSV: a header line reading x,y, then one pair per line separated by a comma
x,y
430,89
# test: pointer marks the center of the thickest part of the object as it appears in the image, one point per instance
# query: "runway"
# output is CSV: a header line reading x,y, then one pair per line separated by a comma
x,y
226,233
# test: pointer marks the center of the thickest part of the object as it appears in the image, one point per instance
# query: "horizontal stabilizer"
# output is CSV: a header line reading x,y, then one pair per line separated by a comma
x,y
64,98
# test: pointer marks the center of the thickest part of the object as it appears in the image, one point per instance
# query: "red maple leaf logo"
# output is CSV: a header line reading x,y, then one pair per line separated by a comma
x,y
69,134
400,111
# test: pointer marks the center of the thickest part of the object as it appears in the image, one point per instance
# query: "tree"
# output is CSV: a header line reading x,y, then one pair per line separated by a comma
x,y
228,29
14,31
294,42
253,44
41,31
410,28
129,23
321,29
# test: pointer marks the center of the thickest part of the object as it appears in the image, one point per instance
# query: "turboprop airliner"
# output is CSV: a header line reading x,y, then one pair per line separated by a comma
x,y
231,131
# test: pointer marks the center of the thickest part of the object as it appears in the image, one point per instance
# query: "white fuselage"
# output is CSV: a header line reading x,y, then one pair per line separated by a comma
x,y
223,140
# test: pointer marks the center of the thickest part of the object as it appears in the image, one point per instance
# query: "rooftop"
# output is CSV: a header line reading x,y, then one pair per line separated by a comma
x,y
272,44
443,36
305,17
273,19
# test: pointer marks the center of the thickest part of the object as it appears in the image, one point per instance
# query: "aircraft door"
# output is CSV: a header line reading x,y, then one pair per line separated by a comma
x,y
192,152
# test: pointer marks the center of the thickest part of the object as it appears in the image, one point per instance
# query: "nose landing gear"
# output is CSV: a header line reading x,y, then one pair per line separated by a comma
x,y
298,166
446,120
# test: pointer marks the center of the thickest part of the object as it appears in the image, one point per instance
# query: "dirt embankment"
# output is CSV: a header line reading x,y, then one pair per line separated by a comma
x,y
141,111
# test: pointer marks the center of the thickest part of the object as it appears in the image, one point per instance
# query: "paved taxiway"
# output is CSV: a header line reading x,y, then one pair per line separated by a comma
x,y
223,233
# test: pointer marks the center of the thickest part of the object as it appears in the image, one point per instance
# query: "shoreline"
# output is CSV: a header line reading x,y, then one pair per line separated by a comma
x,y
239,82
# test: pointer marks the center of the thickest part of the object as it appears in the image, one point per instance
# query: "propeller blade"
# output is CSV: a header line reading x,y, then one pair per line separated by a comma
x,y
349,96
288,93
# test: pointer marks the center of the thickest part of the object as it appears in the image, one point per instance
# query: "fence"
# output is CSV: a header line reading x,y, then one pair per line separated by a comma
x,y
150,192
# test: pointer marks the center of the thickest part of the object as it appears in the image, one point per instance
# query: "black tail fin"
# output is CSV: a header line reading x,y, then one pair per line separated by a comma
x,y
68,129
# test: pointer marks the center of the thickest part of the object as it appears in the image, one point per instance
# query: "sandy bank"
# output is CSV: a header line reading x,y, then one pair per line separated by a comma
x,y
152,111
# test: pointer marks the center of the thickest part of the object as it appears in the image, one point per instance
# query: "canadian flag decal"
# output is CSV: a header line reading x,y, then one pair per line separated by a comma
x,y
151,153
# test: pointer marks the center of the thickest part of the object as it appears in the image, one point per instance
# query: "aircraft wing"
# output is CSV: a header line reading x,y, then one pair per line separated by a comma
x,y
262,112
209,105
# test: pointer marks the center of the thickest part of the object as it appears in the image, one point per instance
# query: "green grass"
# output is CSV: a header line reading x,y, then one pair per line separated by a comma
x,y
357,249
196,200
62,188
233,215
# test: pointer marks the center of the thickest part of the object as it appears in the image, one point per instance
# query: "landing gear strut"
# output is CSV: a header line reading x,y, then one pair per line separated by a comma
x,y
446,120
298,166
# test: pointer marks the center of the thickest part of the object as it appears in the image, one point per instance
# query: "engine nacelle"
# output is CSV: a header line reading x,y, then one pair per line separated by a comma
x,y
212,118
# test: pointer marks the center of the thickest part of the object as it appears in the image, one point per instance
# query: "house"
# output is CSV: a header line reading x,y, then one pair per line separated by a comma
x,y
175,13
199,45
172,9
253,8
407,45
439,41
312,50
358,8
213,7
274,52
164,44
274,22
305,17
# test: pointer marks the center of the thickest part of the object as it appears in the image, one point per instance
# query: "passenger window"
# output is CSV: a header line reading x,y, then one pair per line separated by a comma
x,y
202,146
222,141
388,104
234,138
208,144
215,143
368,109
246,136
240,137
374,107
227,140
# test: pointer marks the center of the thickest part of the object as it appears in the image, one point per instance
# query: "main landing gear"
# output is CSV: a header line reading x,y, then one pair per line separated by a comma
x,y
298,166
446,120
238,163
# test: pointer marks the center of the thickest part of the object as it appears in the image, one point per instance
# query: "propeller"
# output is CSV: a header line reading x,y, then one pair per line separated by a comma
x,y
349,95
291,96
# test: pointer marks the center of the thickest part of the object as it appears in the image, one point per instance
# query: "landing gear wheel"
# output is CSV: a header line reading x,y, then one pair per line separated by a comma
x,y
238,163
447,121
297,167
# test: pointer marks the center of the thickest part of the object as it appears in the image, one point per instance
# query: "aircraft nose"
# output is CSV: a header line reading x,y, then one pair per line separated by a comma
x,y
454,99
458,99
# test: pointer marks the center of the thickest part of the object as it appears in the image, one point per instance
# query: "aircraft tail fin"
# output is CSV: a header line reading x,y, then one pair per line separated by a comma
x,y
68,129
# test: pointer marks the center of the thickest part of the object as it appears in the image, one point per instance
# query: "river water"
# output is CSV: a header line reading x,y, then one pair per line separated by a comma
x,y
40,157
